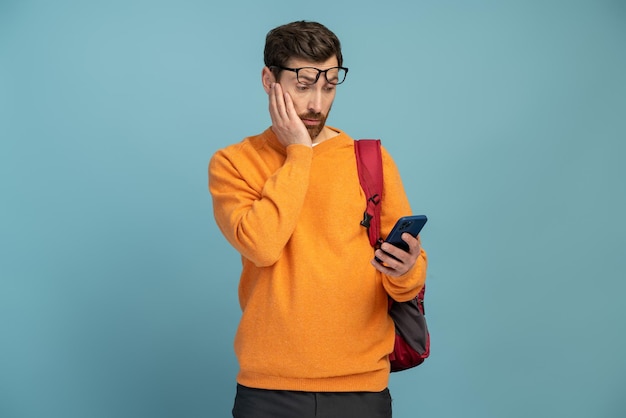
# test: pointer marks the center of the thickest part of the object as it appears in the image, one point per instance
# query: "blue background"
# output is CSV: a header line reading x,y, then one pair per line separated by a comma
x,y
507,120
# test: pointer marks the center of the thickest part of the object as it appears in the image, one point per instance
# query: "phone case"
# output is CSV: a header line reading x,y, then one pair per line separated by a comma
x,y
412,224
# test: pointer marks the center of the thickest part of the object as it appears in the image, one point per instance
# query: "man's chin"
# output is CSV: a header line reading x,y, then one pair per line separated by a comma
x,y
314,131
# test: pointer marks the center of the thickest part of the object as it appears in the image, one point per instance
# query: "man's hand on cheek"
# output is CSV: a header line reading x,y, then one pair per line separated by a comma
x,y
286,123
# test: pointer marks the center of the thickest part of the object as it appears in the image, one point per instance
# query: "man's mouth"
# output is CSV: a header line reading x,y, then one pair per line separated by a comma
x,y
311,122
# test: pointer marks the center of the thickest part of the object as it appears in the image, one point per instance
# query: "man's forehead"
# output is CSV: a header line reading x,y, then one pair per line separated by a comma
x,y
299,63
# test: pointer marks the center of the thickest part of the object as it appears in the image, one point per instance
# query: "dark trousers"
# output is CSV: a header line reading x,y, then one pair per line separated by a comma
x,y
262,403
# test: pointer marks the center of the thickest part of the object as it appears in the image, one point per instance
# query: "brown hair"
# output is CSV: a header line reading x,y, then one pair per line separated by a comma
x,y
311,41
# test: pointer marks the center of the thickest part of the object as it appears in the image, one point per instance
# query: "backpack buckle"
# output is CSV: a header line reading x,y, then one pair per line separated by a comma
x,y
366,219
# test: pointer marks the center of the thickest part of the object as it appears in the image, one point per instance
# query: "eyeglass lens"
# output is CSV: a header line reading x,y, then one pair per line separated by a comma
x,y
309,75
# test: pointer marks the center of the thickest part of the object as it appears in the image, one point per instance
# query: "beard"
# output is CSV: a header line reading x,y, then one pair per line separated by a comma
x,y
314,130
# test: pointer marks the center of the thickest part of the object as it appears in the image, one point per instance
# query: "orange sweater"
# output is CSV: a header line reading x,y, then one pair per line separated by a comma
x,y
314,308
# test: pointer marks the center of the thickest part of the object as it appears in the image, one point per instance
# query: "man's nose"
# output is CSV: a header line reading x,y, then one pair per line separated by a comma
x,y
315,101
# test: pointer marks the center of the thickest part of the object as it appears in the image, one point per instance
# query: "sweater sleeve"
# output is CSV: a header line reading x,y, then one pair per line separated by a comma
x,y
258,214
395,204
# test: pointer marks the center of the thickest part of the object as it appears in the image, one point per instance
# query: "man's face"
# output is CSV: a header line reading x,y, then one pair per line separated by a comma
x,y
312,102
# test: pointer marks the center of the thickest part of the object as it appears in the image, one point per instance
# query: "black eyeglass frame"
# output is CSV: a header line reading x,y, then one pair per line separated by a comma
x,y
317,77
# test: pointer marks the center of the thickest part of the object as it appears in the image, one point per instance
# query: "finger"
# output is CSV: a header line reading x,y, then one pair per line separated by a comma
x,y
272,108
394,251
390,260
279,101
290,110
278,112
413,243
388,270
409,239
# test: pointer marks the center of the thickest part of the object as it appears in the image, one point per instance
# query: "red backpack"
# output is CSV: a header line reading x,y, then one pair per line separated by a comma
x,y
412,345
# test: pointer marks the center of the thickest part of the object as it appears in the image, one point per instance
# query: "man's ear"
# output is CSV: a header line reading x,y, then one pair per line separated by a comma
x,y
267,78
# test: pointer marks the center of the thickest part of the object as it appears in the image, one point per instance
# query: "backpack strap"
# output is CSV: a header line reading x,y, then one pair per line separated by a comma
x,y
370,168
412,343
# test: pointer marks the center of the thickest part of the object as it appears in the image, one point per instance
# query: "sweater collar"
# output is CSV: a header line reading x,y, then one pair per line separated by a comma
x,y
272,140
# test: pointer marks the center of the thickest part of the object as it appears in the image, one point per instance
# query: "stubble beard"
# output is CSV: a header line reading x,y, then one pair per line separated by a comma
x,y
315,130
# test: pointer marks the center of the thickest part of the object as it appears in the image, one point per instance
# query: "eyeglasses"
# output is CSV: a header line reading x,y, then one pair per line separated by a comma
x,y
309,75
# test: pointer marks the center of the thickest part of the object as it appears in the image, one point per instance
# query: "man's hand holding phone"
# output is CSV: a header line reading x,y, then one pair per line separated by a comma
x,y
399,253
395,261
286,123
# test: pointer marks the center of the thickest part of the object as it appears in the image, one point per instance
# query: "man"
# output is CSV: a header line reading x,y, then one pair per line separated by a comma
x,y
314,336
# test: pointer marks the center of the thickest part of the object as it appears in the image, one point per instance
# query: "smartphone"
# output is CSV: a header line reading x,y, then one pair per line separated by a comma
x,y
412,224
